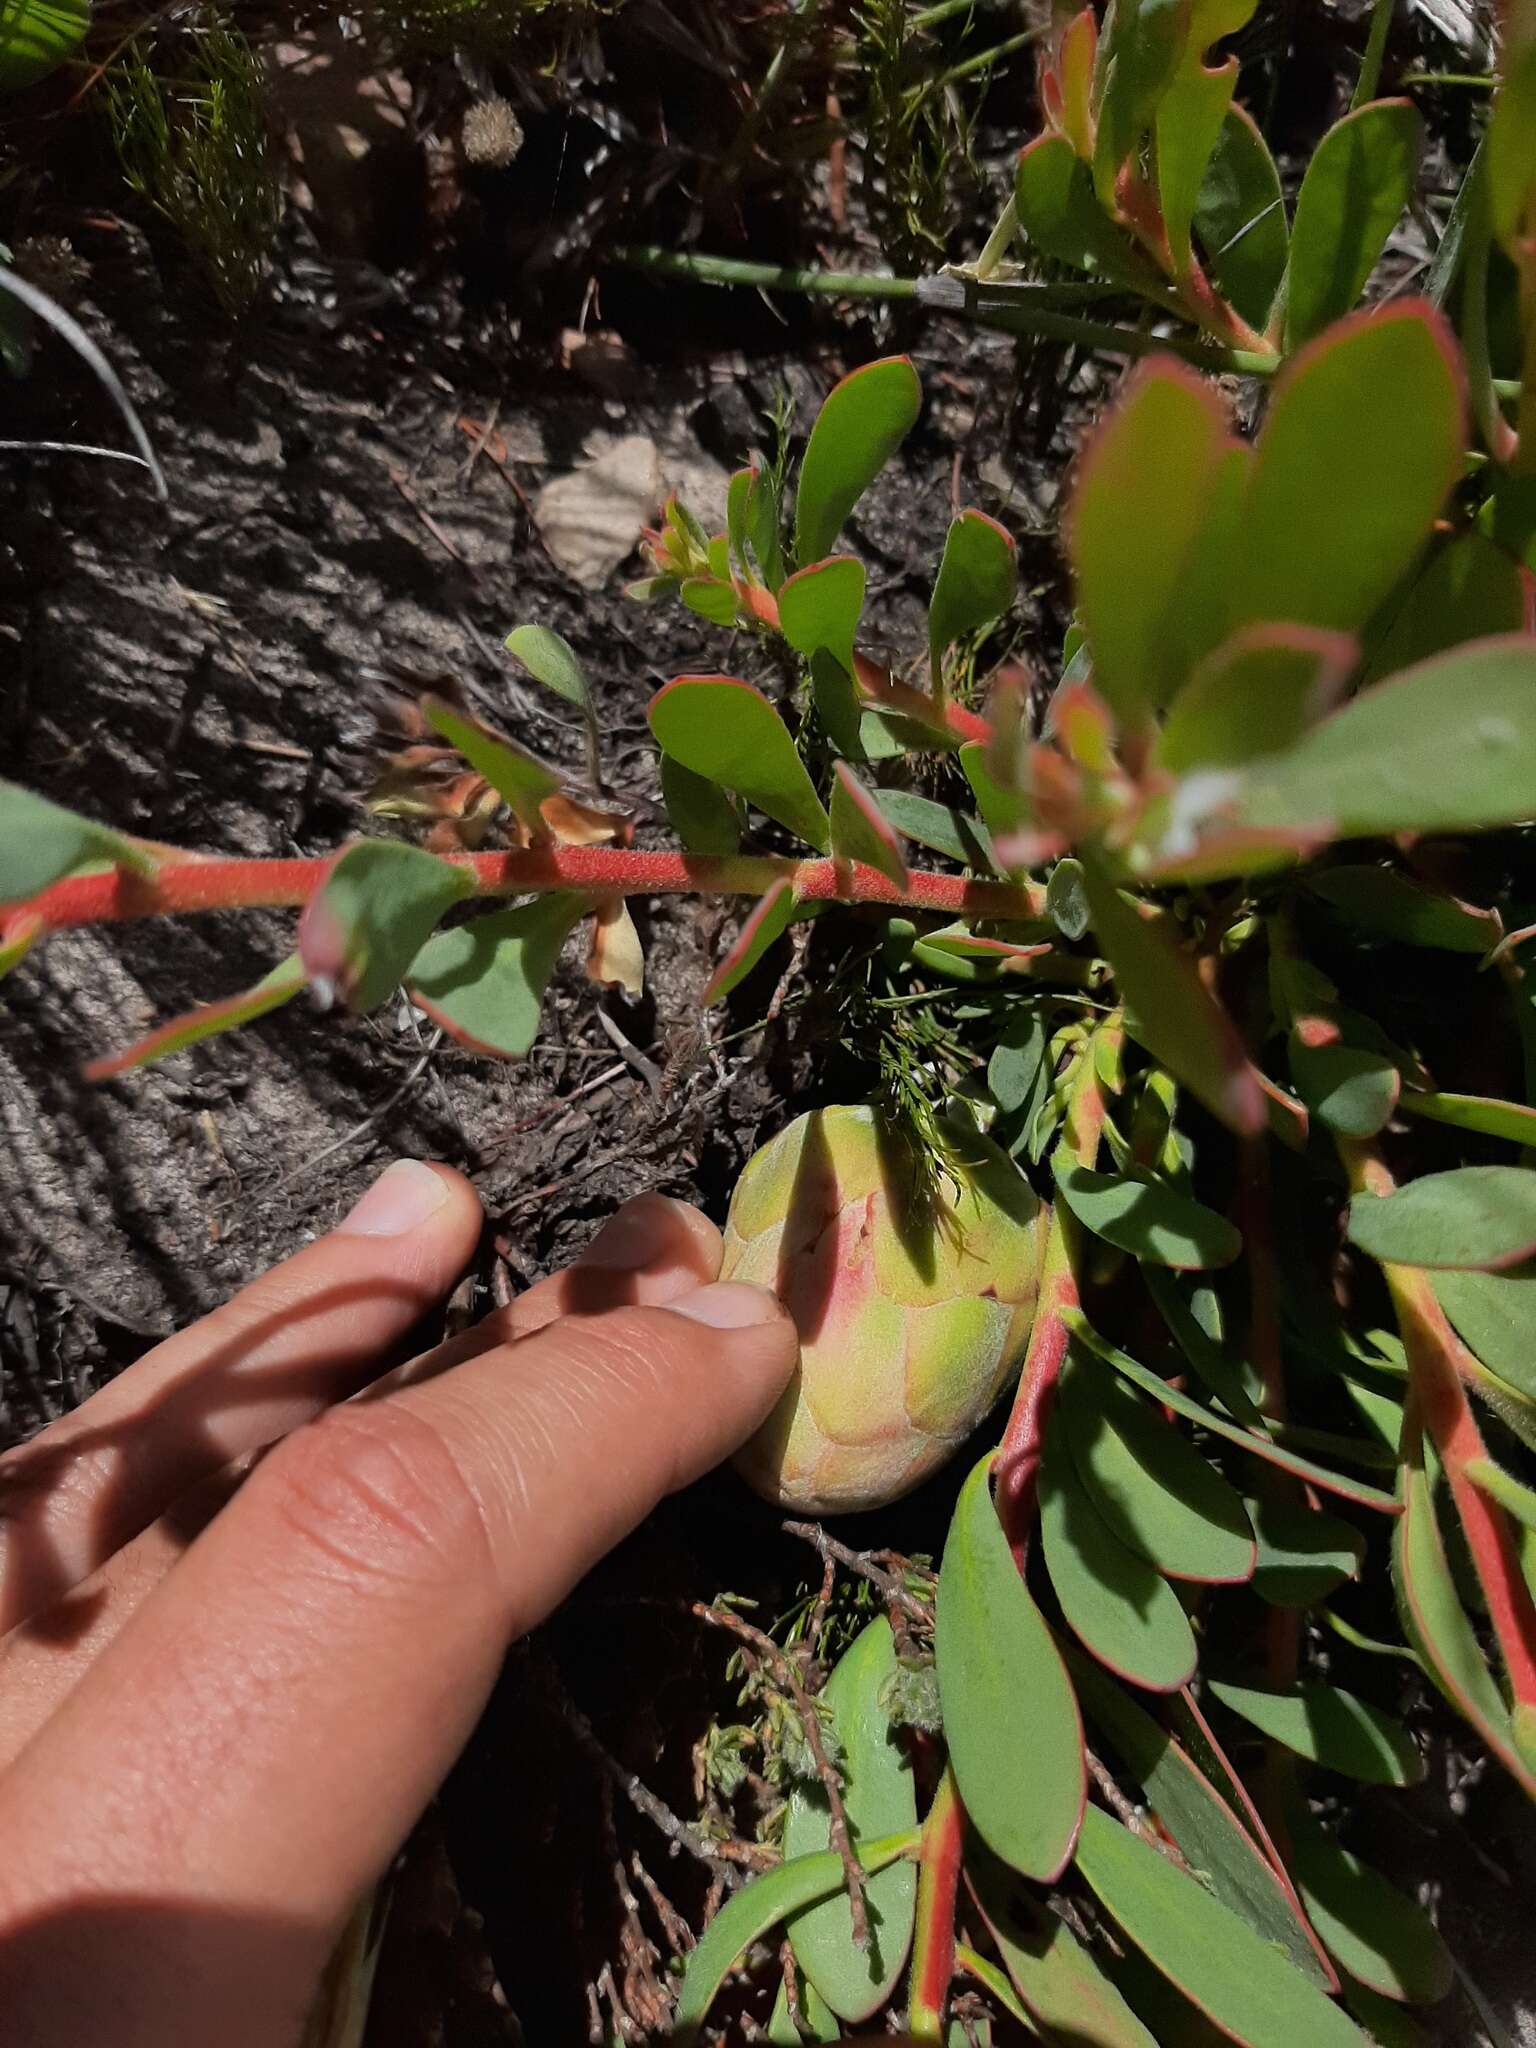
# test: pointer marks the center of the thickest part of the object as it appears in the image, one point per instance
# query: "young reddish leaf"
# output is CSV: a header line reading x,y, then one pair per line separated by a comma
x,y
1470,590
1063,1989
374,913
1449,746
551,659
1329,1727
1380,900
1253,1994
1149,1219
1512,151
1485,1114
1304,1555
1264,1447
1495,1314
819,608
699,811
978,580
1149,1483
1170,1010
1144,486
880,1800
273,990
1255,695
1358,182
484,981
1240,219
1372,1930
516,776
1010,1715
860,832
1341,498
730,734
1483,1217
1350,1088
41,842
1054,199
1116,1603
1201,1822
616,958
950,832
863,422
1189,126
769,919
749,1915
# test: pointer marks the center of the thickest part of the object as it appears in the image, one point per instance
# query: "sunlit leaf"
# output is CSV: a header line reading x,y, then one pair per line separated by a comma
x,y
1359,179
1303,1553
36,36
41,842
1150,1484
729,733
1470,590
1149,1219
1392,906
879,1799
1240,219
1117,1604
484,981
700,812
1063,1989
1484,1114
550,658
1482,1217
862,423
516,776
1341,498
710,599
1370,1928
978,580
819,608
1001,1673
371,917
1496,1315
769,919
1330,1727
937,826
860,832
1255,695
1170,1010
1253,1993
273,990
1146,479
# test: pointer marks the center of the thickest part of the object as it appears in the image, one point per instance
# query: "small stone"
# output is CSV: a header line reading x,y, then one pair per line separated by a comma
x,y
493,135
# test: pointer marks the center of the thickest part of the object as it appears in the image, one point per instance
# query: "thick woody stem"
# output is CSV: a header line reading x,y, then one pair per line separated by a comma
x,y
1017,1466
1439,1369
186,885
938,1881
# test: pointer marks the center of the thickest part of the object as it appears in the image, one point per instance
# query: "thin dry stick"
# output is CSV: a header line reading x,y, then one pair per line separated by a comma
x,y
1130,1815
842,1841
863,1563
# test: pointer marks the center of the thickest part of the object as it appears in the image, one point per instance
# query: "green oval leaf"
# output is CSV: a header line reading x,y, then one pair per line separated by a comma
x,y
373,914
484,981
1059,214
1341,498
730,734
863,422
36,36
977,582
1347,1087
1149,1219
1066,898
1240,219
1010,1715
1471,1216
879,1798
860,832
1150,1484
1303,1553
1117,1604
1251,1992
1470,590
551,659
41,842
1383,902
937,826
1358,182
1368,1925
1495,1314
514,775
1331,1727
819,608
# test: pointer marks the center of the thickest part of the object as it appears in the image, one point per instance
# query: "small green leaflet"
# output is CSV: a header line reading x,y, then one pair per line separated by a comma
x,y
1054,200
730,734
863,422
515,776
1001,1674
880,1800
1369,1927
700,812
41,842
1148,1219
1358,182
1330,1727
1350,1088
819,608
1482,1217
36,36
273,990
1149,1483
1252,1993
1240,219
1017,1061
823,2023
551,659
1066,898
1117,1604
484,981
860,831
1303,1554
962,838
977,582
372,916
768,920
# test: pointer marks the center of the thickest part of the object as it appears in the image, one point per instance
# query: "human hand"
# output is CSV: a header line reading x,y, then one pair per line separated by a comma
x,y
225,1698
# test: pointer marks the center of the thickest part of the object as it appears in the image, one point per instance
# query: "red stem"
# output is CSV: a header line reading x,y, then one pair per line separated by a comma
x,y
196,884
938,1882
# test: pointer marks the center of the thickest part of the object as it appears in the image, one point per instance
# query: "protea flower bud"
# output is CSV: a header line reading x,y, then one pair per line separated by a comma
x,y
910,1312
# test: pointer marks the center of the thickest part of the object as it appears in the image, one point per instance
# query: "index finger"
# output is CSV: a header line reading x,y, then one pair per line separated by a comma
x,y
262,1733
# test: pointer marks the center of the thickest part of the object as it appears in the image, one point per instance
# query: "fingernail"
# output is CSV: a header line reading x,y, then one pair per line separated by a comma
x,y
728,1305
638,1235
401,1199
